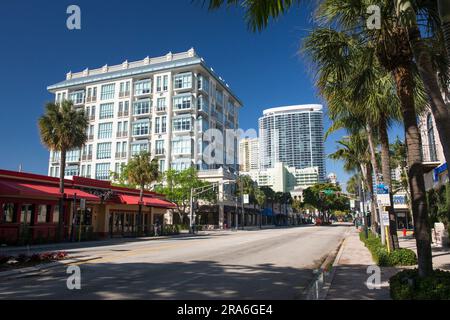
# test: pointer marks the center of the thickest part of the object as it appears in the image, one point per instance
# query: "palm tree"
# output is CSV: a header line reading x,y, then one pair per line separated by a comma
x,y
444,14
62,128
142,172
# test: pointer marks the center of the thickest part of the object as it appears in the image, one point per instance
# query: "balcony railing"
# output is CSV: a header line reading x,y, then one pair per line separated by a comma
x,y
91,99
159,152
160,109
90,137
122,114
429,153
91,118
120,155
122,134
124,94
86,157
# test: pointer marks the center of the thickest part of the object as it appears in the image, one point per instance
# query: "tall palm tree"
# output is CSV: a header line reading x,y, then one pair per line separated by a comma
x,y
142,172
62,128
431,60
444,14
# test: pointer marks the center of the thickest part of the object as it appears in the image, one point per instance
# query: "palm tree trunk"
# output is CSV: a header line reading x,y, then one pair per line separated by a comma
x,y
429,76
444,13
61,199
386,171
373,209
139,216
405,83
373,160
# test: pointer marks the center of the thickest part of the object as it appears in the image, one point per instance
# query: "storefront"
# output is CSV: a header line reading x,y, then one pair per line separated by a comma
x,y
29,209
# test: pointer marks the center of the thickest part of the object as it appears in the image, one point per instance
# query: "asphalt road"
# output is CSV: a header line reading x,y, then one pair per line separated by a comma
x,y
264,264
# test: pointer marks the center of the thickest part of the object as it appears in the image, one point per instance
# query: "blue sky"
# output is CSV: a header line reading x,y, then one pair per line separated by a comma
x,y
263,69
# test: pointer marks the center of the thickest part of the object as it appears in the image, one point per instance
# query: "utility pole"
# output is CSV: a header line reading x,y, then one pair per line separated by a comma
x,y
191,211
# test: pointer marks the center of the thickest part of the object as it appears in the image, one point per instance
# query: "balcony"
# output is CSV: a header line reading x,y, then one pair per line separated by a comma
x,y
161,109
121,155
122,114
91,118
160,152
90,137
86,157
91,99
430,160
55,159
124,94
122,134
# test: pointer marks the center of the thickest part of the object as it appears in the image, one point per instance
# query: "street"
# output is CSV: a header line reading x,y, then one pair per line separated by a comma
x,y
262,264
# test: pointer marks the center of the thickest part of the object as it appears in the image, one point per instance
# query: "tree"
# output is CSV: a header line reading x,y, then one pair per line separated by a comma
x,y
327,198
142,172
62,128
444,14
177,185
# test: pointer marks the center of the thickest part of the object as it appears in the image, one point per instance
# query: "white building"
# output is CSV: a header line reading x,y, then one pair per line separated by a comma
x,y
282,178
293,135
164,105
249,154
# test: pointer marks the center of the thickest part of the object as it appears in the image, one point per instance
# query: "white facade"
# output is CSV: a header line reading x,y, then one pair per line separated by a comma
x,y
293,135
249,154
163,105
282,178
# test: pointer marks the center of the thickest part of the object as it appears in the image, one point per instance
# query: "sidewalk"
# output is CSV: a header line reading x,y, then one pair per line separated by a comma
x,y
441,257
350,275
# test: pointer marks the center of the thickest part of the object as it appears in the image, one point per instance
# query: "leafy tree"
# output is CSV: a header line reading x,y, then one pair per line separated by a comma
x,y
62,128
327,198
142,172
177,185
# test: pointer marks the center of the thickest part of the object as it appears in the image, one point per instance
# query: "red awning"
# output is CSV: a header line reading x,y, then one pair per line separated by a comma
x,y
147,201
14,188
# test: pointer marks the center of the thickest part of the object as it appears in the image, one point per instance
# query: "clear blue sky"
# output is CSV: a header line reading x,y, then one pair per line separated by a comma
x,y
37,50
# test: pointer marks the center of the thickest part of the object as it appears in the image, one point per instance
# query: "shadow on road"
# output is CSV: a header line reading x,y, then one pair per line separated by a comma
x,y
189,280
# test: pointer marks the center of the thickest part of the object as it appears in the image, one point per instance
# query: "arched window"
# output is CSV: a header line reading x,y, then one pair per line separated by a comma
x,y
431,140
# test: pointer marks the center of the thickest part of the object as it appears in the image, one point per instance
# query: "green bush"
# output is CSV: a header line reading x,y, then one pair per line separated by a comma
x,y
399,257
407,285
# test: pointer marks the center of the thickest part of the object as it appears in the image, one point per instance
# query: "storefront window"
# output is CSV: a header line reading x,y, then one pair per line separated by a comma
x,y
8,210
43,213
26,213
56,214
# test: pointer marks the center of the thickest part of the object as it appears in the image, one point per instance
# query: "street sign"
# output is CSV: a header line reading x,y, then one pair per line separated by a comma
x,y
385,218
352,203
246,199
383,198
82,204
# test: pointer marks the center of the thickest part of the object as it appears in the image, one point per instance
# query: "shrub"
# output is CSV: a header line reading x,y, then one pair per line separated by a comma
x,y
407,285
399,257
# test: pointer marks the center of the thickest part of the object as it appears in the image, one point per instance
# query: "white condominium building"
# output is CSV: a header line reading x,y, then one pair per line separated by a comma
x,y
163,105
249,154
293,135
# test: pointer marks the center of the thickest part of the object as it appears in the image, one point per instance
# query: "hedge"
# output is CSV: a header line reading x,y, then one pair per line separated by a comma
x,y
407,285
399,257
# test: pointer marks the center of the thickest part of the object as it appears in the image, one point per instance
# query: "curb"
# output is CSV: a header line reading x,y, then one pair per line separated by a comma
x,y
25,272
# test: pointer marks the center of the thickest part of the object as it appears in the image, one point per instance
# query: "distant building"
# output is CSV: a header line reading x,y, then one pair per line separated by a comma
x,y
293,135
332,178
249,154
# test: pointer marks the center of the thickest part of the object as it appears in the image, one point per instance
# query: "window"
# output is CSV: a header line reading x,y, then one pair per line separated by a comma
x,y
104,150
26,213
157,124
162,165
182,102
202,104
125,128
165,83
124,107
159,146
88,171
105,130
203,83
181,145
56,214
219,96
43,213
163,124
118,167
73,156
71,171
181,164
141,128
107,92
158,84
106,111
142,87
182,124
137,148
431,139
124,89
8,211
141,107
77,97
183,81
161,104
102,171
